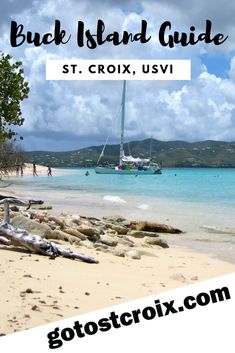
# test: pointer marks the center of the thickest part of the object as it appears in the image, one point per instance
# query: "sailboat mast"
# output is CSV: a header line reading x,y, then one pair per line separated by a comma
x,y
122,122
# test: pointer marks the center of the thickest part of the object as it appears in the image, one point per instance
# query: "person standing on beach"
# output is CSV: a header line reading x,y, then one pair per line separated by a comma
x,y
34,170
49,173
21,170
17,170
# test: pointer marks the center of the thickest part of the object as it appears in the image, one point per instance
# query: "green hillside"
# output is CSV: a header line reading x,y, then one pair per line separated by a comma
x,y
171,153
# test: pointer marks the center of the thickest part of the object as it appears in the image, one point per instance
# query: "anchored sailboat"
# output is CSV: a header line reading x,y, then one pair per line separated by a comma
x,y
128,165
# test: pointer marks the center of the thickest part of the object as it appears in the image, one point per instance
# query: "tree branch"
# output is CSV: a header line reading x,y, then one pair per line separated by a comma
x,y
34,243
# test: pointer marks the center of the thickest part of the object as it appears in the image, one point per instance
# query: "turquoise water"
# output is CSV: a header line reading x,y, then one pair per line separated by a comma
x,y
201,202
208,186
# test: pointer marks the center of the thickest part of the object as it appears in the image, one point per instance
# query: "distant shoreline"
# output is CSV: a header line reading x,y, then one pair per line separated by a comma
x,y
174,154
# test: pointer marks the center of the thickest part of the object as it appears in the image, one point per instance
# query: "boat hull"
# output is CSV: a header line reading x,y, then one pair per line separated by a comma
x,y
147,171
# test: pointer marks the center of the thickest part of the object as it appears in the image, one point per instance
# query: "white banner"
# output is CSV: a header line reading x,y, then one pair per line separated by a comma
x,y
194,318
118,69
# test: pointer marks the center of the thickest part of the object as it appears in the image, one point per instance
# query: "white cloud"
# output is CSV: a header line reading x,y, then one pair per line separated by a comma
x,y
80,113
202,109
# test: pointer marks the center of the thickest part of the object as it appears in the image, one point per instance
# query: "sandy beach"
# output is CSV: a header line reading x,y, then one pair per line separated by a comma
x,y
28,170
36,289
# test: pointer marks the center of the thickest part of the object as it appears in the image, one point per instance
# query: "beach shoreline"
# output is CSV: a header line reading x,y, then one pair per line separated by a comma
x,y
39,290
204,229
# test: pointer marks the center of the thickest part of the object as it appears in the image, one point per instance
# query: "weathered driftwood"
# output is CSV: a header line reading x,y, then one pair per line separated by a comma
x,y
4,241
36,244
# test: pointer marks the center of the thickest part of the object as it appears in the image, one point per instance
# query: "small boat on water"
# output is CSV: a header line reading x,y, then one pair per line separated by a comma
x,y
127,171
128,165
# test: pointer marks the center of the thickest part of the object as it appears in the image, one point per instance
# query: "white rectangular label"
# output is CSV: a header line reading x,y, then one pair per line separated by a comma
x,y
118,69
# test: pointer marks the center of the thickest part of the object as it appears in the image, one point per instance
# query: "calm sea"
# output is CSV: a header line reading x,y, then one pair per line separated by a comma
x,y
199,201
208,186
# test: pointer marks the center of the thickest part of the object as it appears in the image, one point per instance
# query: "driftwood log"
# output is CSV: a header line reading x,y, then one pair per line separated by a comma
x,y
34,243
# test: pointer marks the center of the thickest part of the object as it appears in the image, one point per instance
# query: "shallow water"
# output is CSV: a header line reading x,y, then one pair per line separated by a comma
x,y
196,185
199,201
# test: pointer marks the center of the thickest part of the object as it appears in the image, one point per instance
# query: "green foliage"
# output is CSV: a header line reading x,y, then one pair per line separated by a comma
x,y
171,153
12,158
13,90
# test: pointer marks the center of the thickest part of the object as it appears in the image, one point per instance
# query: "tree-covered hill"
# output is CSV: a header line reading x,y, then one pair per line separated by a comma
x,y
171,153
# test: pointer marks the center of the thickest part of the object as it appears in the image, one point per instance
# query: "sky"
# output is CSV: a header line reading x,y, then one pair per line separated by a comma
x,y
68,115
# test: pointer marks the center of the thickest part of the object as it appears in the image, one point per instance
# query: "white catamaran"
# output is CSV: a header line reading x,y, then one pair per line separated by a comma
x,y
128,165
